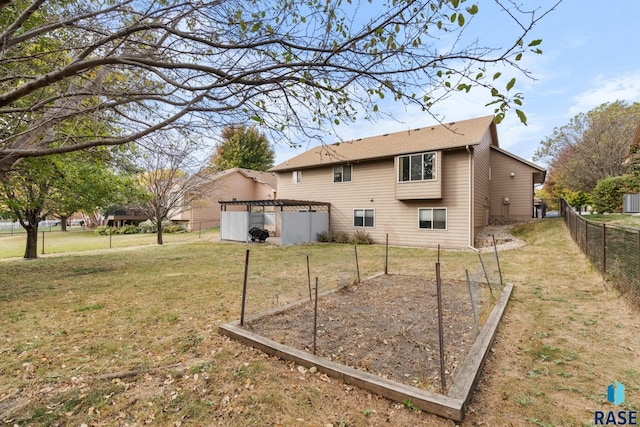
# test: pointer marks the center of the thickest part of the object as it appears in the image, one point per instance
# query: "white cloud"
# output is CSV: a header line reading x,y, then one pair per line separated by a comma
x,y
607,89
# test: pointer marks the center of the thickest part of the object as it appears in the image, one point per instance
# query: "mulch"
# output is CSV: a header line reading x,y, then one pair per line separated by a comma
x,y
386,326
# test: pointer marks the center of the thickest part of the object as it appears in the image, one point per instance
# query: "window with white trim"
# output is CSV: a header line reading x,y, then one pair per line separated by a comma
x,y
432,218
417,167
296,177
342,173
363,217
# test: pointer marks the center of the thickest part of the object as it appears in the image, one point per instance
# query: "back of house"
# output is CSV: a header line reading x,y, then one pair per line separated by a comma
x,y
429,186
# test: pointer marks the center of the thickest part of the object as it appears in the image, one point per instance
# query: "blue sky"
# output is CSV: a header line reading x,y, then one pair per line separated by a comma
x,y
590,56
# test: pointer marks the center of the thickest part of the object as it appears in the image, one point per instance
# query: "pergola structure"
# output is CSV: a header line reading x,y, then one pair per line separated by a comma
x,y
294,221
280,203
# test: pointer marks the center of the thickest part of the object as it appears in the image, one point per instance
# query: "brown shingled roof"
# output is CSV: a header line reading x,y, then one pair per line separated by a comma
x,y
441,137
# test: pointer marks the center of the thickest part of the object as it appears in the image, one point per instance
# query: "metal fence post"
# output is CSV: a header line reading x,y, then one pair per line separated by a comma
x,y
443,381
386,255
586,238
638,252
604,251
244,287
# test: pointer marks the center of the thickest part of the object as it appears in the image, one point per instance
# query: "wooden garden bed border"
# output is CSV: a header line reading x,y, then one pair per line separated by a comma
x,y
452,406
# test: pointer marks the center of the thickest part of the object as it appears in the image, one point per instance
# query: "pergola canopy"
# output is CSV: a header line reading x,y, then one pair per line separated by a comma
x,y
275,203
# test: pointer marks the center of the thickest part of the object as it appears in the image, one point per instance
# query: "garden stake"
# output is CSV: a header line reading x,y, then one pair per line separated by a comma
x,y
244,288
309,277
42,241
386,256
604,251
473,304
495,249
486,275
315,319
355,248
443,381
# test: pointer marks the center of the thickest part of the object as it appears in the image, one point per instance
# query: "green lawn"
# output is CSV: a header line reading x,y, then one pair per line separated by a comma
x,y
625,220
54,241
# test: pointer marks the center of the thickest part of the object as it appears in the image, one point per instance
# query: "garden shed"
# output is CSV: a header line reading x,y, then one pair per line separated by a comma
x,y
292,221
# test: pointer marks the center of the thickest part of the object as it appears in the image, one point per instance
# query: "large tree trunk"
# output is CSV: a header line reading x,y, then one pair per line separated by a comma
x,y
159,232
31,251
63,223
30,224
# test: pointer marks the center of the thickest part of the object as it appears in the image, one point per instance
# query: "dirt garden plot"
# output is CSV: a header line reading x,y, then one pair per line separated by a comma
x,y
383,335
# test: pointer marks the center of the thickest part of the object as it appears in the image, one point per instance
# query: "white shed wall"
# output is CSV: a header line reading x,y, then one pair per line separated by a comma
x,y
302,227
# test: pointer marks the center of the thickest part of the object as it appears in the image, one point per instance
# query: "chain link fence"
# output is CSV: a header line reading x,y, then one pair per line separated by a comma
x,y
613,250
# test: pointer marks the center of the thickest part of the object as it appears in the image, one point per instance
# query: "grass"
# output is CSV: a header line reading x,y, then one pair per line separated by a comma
x,y
625,220
150,313
54,241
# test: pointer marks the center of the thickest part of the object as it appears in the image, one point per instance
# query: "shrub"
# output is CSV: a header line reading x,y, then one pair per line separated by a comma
x,y
105,230
341,237
147,226
173,228
361,237
607,196
323,236
128,229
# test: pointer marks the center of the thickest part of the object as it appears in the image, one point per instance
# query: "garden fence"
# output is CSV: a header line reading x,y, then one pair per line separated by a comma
x,y
613,250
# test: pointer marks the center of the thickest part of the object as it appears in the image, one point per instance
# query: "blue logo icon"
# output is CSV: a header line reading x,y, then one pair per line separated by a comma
x,y
615,393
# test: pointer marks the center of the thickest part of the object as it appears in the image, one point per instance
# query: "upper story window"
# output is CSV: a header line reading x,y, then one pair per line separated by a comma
x,y
296,177
417,167
342,173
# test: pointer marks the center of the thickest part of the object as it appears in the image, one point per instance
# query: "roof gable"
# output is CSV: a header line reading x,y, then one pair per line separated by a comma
x,y
539,172
267,178
441,137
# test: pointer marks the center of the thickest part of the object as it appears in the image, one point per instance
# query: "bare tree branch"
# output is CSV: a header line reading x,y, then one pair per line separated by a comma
x,y
138,67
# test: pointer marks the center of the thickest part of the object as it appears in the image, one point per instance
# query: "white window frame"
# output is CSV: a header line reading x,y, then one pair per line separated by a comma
x,y
446,218
434,164
364,217
342,173
296,177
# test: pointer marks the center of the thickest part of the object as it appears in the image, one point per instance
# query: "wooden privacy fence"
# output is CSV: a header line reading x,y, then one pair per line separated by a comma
x,y
613,250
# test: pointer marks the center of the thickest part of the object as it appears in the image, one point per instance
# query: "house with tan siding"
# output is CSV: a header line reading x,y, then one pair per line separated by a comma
x,y
437,185
230,184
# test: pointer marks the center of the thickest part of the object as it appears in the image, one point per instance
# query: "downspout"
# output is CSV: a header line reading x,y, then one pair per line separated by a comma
x,y
470,210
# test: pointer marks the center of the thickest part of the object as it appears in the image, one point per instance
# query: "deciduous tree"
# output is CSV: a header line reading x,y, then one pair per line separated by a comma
x,y
591,147
42,186
296,66
171,177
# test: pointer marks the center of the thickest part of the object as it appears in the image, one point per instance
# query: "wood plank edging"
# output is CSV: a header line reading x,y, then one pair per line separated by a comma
x,y
445,406
452,406
467,376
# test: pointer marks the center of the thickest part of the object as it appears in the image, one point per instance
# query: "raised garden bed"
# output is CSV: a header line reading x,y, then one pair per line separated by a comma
x,y
382,335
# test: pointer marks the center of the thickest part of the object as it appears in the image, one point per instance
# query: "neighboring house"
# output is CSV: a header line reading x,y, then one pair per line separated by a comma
x,y
231,184
117,217
432,186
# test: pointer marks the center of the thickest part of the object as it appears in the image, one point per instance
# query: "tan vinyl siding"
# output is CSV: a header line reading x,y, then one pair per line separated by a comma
x,y
226,186
481,187
519,188
412,190
373,186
